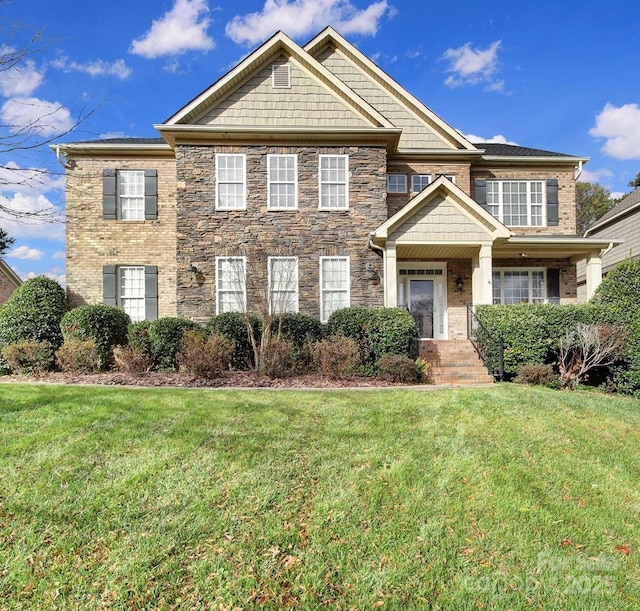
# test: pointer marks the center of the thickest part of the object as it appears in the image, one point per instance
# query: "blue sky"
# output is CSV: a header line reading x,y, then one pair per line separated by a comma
x,y
551,74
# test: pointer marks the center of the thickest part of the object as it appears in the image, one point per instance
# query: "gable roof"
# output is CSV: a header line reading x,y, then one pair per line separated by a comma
x,y
630,203
329,37
5,269
447,189
273,47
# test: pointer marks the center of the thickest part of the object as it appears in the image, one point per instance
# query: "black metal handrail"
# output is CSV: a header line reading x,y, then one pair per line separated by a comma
x,y
490,349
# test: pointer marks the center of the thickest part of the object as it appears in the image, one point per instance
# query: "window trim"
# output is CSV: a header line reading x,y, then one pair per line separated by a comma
x,y
391,175
122,298
296,291
243,289
345,182
346,290
500,205
451,177
270,182
218,205
415,176
529,270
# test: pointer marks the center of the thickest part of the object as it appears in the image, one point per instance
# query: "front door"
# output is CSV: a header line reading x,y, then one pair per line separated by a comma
x,y
421,293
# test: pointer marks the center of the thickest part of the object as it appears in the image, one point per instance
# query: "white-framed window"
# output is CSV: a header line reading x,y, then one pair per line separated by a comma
x,y
282,182
396,183
517,203
334,285
333,179
131,293
283,284
518,285
131,195
281,76
230,181
419,182
231,289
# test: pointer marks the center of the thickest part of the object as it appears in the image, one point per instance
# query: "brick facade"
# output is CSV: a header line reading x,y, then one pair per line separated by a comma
x,y
93,242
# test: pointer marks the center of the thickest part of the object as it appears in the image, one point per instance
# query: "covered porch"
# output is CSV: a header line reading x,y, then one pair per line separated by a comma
x,y
443,252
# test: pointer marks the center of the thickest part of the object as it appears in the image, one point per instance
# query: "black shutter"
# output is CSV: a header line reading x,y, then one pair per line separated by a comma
x,y
151,292
109,285
552,202
553,285
150,195
109,198
480,192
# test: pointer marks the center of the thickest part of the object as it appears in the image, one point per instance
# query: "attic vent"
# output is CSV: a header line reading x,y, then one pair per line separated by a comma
x,y
281,76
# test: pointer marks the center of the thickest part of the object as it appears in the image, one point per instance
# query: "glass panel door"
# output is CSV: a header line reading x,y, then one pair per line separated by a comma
x,y
421,305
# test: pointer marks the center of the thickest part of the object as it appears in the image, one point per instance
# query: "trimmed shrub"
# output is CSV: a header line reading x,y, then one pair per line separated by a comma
x,y
377,331
138,336
531,332
78,356
33,312
207,357
132,360
279,358
105,324
337,357
233,326
165,335
536,374
28,357
397,368
618,297
299,329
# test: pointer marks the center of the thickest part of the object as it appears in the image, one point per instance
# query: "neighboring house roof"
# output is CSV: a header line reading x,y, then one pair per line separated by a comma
x,y
496,149
628,205
9,274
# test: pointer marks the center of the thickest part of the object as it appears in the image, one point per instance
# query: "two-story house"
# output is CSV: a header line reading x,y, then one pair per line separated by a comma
x,y
308,177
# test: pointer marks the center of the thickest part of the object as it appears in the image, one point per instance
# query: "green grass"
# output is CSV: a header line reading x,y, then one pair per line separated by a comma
x,y
508,497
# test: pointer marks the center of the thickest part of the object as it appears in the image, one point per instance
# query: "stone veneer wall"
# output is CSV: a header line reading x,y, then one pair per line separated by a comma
x,y
93,242
308,233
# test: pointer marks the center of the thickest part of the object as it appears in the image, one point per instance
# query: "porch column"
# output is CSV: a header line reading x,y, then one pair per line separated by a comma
x,y
481,276
390,276
593,272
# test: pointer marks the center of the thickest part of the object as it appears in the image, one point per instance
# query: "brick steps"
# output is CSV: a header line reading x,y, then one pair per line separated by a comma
x,y
454,362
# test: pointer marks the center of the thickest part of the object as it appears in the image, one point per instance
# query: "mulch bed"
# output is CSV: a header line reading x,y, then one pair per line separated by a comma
x,y
236,379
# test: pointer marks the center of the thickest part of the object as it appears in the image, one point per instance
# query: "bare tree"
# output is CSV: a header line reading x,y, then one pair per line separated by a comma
x,y
265,285
27,125
586,347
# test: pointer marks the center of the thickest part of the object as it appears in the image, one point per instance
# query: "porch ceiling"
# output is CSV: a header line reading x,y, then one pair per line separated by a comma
x,y
548,247
436,251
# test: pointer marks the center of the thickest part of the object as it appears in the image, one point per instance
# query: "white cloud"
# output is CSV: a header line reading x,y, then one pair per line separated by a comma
x,y
37,217
620,126
594,175
21,79
473,66
56,274
15,179
59,254
24,252
98,67
38,117
303,17
183,28
497,139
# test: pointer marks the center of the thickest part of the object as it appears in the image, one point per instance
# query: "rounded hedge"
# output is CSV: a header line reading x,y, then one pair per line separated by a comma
x,y
299,329
105,324
234,327
165,336
33,312
378,331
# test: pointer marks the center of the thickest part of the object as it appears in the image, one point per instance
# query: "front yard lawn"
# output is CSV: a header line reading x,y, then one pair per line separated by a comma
x,y
506,497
